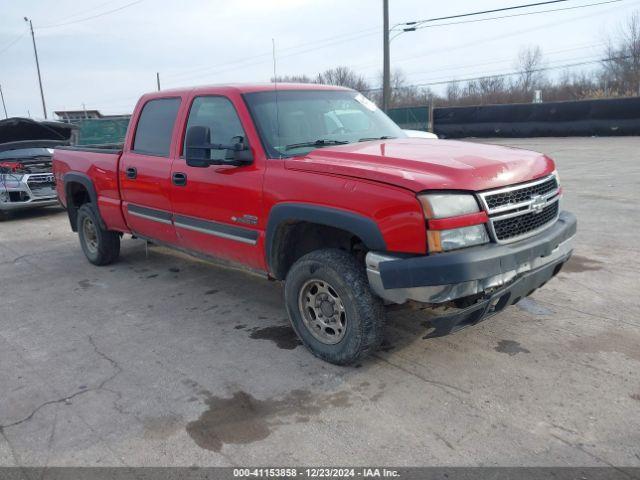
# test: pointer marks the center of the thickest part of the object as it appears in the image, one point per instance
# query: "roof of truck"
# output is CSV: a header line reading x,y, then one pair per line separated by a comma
x,y
245,88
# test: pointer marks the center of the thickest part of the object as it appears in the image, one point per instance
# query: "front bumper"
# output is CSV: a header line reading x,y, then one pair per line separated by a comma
x,y
486,269
31,191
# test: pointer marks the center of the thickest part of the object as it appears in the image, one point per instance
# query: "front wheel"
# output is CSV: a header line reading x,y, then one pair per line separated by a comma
x,y
100,246
331,307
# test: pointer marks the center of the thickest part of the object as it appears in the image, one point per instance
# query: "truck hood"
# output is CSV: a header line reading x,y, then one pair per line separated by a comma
x,y
421,164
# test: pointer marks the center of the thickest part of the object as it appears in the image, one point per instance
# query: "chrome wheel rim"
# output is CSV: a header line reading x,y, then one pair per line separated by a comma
x,y
322,311
90,235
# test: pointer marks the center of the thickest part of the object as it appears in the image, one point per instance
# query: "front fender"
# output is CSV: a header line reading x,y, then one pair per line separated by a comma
x,y
364,228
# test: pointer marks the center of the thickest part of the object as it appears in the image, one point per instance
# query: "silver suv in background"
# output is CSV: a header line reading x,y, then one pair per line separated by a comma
x,y
26,148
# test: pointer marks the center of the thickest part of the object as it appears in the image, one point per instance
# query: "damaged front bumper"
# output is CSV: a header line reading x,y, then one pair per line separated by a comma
x,y
27,191
486,271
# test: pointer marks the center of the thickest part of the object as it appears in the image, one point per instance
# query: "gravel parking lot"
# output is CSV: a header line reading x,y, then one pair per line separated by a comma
x,y
162,359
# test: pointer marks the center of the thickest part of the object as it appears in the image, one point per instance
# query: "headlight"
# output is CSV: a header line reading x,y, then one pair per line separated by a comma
x,y
443,205
453,221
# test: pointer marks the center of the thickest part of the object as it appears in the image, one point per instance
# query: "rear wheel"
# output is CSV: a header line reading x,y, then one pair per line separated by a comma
x,y
332,308
100,246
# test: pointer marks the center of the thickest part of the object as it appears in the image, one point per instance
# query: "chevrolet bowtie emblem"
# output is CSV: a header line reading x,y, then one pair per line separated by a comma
x,y
538,203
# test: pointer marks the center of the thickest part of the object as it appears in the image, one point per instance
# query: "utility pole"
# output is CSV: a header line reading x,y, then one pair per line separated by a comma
x,y
35,51
3,104
386,64
158,80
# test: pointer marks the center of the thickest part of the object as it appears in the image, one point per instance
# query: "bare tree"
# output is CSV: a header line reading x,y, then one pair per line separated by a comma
x,y
343,76
454,92
486,90
493,89
528,65
292,79
621,69
402,93
618,76
574,86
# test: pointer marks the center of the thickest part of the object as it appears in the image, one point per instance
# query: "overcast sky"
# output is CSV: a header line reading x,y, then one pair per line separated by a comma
x,y
108,61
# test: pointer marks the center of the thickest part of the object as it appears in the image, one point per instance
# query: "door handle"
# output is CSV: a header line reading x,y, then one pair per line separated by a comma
x,y
179,179
131,172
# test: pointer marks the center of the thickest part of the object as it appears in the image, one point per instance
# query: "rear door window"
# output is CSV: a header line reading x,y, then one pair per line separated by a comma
x,y
155,126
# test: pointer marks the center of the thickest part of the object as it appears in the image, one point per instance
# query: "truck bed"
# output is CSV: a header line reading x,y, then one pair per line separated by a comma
x,y
98,166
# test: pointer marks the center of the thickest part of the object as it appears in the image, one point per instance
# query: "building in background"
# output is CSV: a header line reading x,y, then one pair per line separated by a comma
x,y
71,116
94,128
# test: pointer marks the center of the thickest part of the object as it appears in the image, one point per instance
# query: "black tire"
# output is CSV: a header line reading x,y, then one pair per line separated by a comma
x,y
100,246
364,313
4,216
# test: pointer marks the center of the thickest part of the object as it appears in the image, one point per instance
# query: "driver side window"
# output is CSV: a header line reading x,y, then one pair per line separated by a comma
x,y
220,116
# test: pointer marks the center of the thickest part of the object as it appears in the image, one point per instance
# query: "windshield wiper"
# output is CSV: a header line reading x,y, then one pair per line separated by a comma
x,y
384,137
316,143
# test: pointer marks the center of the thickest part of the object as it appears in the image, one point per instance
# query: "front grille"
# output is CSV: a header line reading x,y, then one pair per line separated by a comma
x,y
42,185
523,224
521,210
41,164
520,195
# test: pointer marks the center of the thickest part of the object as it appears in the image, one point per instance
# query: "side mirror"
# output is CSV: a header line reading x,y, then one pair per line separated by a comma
x,y
197,153
198,148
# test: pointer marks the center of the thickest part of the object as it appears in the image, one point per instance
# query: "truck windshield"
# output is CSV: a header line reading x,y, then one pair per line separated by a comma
x,y
303,120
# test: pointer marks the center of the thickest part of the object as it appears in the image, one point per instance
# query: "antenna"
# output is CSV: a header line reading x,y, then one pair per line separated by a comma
x,y
275,88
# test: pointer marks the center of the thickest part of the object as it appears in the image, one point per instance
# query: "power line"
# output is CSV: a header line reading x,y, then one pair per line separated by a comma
x,y
492,73
13,42
483,12
497,37
519,14
130,4
246,62
332,41
509,74
411,27
356,35
497,61
266,60
82,12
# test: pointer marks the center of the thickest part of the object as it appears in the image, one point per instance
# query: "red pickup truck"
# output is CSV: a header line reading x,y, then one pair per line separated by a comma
x,y
316,187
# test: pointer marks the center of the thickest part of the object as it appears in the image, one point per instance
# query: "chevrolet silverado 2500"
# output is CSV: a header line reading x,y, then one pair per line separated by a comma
x,y
316,187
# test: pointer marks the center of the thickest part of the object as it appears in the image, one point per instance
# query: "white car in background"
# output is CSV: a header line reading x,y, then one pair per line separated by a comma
x,y
420,134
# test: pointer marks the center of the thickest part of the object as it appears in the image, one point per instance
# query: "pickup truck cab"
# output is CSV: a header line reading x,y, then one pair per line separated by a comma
x,y
316,187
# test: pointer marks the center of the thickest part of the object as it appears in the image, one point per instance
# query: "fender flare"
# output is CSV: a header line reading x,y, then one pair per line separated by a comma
x,y
86,182
363,227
